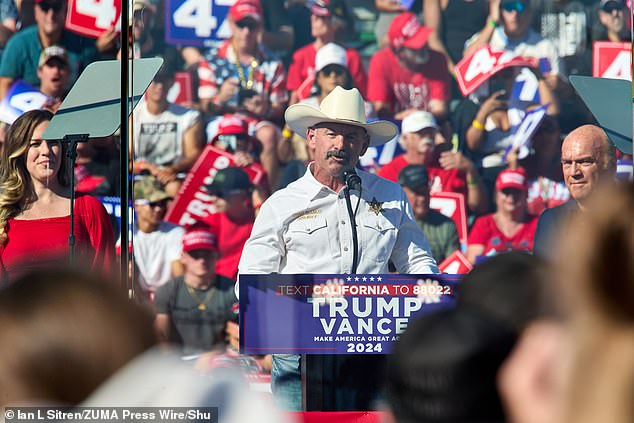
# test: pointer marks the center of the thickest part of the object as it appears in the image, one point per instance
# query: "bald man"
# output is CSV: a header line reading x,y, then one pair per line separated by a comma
x,y
588,159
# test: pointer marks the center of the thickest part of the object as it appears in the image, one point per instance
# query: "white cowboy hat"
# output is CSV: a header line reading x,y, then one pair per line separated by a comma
x,y
340,106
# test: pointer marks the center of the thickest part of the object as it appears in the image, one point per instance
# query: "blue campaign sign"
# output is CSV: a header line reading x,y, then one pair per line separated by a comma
x,y
21,97
523,132
196,22
335,314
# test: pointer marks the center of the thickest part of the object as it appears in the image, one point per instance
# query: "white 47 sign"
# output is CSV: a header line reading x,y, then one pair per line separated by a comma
x,y
196,21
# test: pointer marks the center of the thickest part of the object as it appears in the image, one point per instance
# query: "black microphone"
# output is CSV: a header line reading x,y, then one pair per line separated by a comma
x,y
350,178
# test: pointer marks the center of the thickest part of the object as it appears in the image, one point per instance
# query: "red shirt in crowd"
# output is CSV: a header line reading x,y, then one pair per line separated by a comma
x,y
403,88
301,72
485,232
231,239
42,243
441,180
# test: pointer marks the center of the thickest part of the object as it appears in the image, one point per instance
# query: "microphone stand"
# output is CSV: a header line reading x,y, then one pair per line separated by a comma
x,y
353,225
71,153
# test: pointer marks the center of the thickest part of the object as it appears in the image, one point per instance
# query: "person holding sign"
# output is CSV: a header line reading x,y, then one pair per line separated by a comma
x,y
510,227
35,206
510,30
304,228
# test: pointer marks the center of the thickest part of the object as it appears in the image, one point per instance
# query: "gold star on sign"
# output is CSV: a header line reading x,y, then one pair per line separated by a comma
x,y
375,206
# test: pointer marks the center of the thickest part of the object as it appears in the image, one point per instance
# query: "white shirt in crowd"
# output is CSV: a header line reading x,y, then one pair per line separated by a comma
x,y
154,253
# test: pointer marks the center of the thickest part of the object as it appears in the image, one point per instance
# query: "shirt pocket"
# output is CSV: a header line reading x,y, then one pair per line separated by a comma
x,y
308,238
378,236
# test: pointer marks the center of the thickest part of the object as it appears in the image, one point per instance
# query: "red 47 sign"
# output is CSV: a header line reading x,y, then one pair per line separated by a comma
x,y
181,91
452,204
476,68
93,17
455,264
611,60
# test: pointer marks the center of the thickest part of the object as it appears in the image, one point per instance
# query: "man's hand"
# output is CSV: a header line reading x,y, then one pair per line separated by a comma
x,y
228,89
494,10
404,113
106,41
165,175
455,160
494,103
242,159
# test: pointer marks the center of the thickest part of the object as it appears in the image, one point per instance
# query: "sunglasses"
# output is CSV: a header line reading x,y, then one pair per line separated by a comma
x,y
247,23
161,203
611,6
517,6
56,7
329,69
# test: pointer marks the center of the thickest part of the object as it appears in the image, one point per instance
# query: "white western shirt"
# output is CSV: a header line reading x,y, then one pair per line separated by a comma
x,y
305,228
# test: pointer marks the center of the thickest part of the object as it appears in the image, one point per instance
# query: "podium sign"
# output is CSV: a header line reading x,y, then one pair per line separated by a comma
x,y
335,314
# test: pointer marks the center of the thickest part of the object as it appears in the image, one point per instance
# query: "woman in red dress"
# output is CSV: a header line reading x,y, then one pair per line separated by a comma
x,y
35,206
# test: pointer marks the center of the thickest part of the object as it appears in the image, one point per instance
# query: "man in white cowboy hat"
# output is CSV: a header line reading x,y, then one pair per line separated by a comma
x,y
305,227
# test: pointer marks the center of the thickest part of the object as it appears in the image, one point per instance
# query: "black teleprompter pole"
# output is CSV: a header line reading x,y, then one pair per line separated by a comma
x,y
125,159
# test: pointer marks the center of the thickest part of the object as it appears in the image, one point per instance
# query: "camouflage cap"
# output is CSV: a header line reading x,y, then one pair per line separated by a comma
x,y
148,189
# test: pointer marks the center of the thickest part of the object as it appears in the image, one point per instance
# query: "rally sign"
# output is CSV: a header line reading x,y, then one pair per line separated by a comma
x,y
523,133
479,66
181,90
452,205
334,314
196,22
92,18
612,60
20,98
455,264
193,202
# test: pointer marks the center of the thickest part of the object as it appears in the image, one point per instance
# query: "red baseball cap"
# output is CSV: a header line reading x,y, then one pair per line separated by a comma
x,y
246,9
199,239
406,31
232,125
510,178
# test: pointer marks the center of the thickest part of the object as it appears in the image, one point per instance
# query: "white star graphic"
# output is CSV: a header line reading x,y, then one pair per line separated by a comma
x,y
365,279
379,279
372,278
348,278
356,279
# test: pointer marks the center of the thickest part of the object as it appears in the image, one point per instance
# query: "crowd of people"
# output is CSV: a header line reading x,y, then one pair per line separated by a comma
x,y
294,96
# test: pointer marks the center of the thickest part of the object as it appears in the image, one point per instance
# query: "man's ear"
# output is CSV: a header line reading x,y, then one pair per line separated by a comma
x,y
366,144
310,138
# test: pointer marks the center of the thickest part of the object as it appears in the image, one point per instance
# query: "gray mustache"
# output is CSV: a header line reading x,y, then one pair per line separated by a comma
x,y
339,154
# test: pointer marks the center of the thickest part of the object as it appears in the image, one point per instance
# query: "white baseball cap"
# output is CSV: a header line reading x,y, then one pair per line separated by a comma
x,y
330,54
417,121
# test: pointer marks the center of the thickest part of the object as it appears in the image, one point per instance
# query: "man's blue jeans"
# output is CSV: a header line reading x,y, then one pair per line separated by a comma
x,y
286,382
